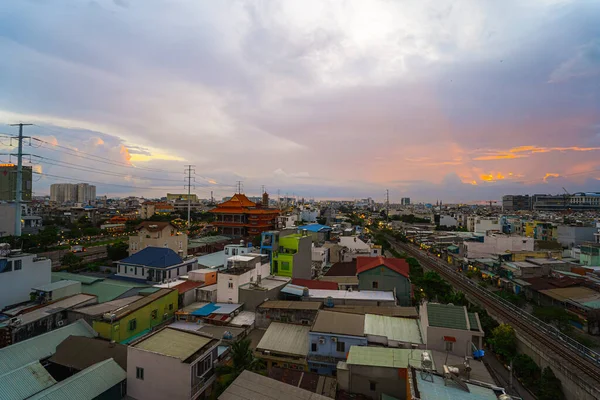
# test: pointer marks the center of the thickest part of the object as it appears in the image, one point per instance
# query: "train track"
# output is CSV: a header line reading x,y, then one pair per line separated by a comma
x,y
584,359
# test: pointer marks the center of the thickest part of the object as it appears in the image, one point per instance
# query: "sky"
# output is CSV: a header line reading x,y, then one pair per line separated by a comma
x,y
459,101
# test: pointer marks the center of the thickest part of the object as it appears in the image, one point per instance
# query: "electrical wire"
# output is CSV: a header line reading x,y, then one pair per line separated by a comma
x,y
101,183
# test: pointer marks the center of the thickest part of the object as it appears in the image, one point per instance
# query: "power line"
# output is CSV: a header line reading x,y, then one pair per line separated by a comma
x,y
19,183
101,183
189,177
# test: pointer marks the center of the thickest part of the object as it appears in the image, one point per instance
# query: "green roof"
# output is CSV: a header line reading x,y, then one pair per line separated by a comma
x,y
473,321
87,384
25,381
40,347
85,280
207,240
388,397
447,316
401,329
452,247
385,357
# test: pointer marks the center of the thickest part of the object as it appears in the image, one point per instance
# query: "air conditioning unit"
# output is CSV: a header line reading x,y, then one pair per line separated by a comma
x,y
334,339
60,323
321,340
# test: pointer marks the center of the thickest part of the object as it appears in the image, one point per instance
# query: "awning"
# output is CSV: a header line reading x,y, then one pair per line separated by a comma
x,y
449,339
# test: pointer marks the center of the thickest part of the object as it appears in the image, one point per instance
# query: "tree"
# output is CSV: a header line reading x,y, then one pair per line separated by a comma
x,y
433,286
504,340
241,359
71,261
117,251
550,386
527,370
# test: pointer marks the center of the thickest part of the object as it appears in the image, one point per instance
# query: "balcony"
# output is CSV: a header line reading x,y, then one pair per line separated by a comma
x,y
199,385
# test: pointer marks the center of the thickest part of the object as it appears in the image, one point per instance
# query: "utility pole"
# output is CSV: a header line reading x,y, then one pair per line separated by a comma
x,y
239,187
19,183
188,175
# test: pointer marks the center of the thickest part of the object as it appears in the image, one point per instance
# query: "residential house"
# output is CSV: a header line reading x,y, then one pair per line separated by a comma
x,y
331,337
255,386
425,385
570,236
386,274
314,383
155,264
293,257
344,274
187,291
497,243
451,329
106,289
95,312
32,320
158,234
171,364
351,298
319,233
377,371
253,294
149,208
241,270
357,247
137,318
19,272
239,216
291,312
541,230
284,345
55,291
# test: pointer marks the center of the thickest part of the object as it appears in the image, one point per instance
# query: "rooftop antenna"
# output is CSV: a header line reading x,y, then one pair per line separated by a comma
x,y
188,175
239,187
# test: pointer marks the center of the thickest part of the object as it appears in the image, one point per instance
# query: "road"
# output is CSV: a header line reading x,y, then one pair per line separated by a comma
x,y
575,361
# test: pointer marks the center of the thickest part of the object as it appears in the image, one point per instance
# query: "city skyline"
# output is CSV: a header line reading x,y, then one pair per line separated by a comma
x,y
459,102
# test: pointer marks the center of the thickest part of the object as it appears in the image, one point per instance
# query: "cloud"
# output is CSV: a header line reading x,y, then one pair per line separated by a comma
x,y
281,173
585,63
550,175
526,151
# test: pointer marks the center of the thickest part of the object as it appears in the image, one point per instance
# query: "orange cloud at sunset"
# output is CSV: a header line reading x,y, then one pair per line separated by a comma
x,y
486,178
526,151
550,175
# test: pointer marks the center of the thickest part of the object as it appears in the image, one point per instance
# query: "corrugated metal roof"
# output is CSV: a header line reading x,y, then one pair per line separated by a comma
x,y
251,386
339,323
293,290
354,295
244,318
292,305
173,343
23,382
438,390
473,321
401,329
285,339
212,260
40,347
447,316
56,285
98,309
55,307
156,257
108,290
87,384
86,280
385,357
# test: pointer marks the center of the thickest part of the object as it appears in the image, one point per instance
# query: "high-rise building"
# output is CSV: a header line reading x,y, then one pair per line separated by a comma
x,y
8,182
405,201
72,193
516,202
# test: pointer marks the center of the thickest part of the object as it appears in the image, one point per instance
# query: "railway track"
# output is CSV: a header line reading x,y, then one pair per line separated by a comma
x,y
582,358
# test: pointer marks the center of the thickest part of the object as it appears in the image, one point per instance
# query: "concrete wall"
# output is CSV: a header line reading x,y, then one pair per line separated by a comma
x,y
329,349
391,381
159,273
164,377
462,346
7,219
302,268
165,238
252,298
228,284
386,280
264,316
15,286
570,236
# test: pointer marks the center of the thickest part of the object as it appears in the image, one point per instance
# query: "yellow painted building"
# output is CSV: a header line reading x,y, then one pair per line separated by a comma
x,y
523,255
138,317
540,230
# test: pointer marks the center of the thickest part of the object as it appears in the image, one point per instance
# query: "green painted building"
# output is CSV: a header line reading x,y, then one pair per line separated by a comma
x,y
590,255
385,274
293,257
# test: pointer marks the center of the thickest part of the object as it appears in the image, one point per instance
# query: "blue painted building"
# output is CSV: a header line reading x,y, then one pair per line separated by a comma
x,y
331,337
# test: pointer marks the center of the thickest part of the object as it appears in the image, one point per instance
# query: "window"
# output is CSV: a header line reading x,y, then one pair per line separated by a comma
x,y
285,266
154,314
171,307
375,285
251,278
230,285
139,373
18,264
313,347
449,346
372,386
8,267
341,347
204,366
132,325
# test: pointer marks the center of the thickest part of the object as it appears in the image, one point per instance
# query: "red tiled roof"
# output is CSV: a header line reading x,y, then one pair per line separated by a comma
x,y
187,286
311,284
398,265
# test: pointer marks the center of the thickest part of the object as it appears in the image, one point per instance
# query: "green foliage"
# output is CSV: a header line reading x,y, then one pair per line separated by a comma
x,y
432,286
556,315
117,251
527,370
71,261
410,219
550,386
487,323
322,220
517,299
504,341
241,359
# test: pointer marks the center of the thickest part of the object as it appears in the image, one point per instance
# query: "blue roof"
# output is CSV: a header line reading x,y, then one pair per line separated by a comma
x,y
293,289
212,260
206,310
314,228
157,257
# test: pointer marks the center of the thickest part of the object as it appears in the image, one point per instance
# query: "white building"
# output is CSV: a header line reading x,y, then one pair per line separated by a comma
x,y
482,225
72,193
156,264
19,273
355,247
309,214
241,270
287,221
231,250
447,220
496,243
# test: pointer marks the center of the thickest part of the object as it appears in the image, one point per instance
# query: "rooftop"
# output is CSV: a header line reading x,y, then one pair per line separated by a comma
x,y
154,226
339,323
216,308
207,240
87,384
212,260
342,269
385,357
313,284
187,286
40,347
55,285
99,309
291,305
314,228
393,311
144,301
25,381
251,386
174,343
156,257
55,307
439,390
285,339
266,284
81,352
405,330
85,280
354,295
320,384
447,316
398,265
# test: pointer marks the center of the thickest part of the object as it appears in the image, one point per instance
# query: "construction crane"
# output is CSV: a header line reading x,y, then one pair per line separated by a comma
x,y
492,202
566,197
